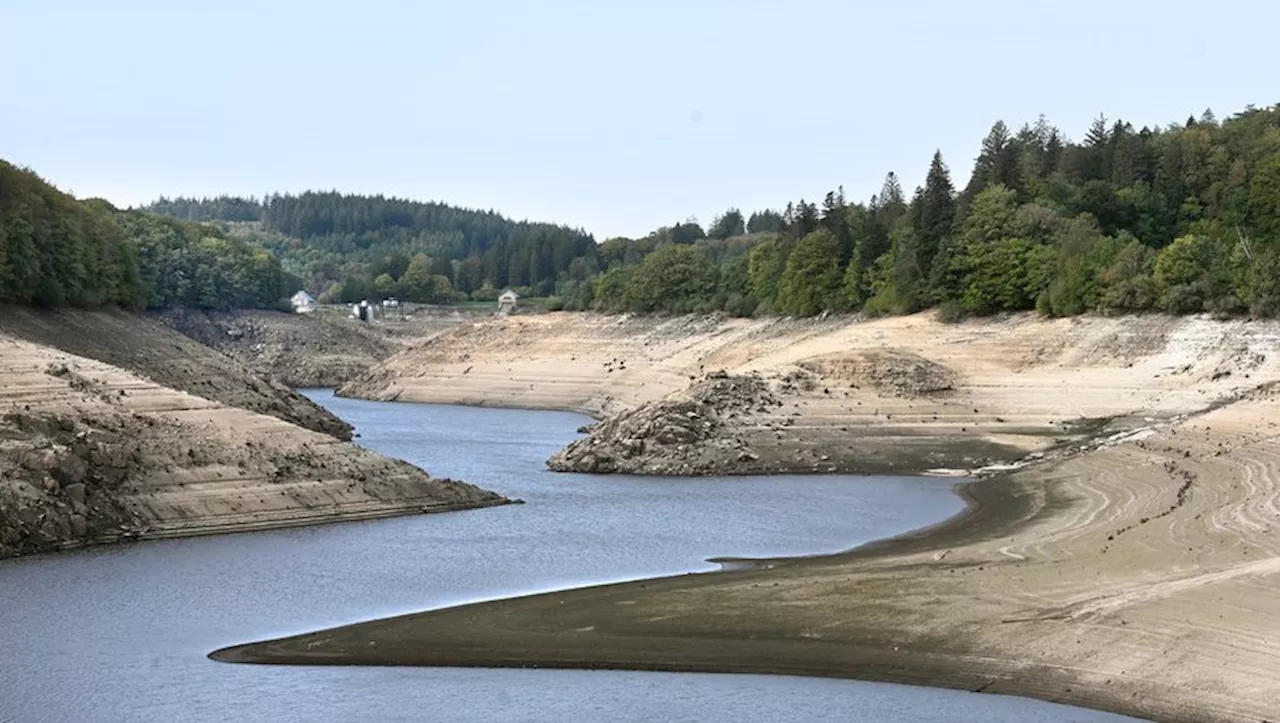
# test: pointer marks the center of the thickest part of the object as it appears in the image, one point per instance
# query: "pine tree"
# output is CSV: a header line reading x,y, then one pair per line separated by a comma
x,y
935,212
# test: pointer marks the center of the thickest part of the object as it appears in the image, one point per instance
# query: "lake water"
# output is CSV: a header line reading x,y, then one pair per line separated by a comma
x,y
120,633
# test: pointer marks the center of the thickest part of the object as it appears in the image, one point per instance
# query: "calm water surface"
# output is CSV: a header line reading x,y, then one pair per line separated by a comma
x,y
121,633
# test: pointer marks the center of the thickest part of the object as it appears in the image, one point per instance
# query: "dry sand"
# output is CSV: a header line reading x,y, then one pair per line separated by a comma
x,y
904,394
90,452
1138,575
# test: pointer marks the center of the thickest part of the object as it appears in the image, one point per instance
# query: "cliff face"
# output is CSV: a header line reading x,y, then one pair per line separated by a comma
x,y
904,394
90,452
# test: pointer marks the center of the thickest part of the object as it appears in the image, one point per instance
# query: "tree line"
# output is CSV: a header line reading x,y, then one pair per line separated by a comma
x,y
58,251
350,247
1180,219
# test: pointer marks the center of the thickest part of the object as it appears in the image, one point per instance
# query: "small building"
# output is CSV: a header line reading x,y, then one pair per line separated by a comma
x,y
303,303
508,302
362,311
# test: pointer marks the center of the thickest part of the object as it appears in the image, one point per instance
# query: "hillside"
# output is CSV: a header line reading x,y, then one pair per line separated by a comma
x,y
151,350
90,452
307,350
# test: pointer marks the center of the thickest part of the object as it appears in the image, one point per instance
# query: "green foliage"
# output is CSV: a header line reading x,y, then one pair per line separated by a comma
x,y
1195,273
765,222
765,265
727,225
58,251
1182,219
811,281
674,279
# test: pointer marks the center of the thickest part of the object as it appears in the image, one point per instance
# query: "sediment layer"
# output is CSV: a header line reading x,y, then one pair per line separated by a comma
x,y
90,452
153,351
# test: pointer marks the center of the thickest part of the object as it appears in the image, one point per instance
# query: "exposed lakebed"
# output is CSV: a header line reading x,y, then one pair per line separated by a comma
x,y
121,633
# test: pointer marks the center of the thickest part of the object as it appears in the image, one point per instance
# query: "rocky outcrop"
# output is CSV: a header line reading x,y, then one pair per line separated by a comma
x,y
684,436
91,453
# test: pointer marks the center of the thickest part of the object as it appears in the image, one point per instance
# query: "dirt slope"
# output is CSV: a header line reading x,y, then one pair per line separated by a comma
x,y
90,452
325,349
899,394
154,351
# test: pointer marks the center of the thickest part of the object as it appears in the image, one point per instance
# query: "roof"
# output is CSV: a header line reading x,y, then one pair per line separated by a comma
x,y
509,292
303,296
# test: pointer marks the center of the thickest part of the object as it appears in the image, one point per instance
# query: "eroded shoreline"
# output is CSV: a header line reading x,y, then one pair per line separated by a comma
x,y
1133,578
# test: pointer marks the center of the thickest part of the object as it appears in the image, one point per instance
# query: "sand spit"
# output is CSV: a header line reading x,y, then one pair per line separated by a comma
x,y
904,394
90,452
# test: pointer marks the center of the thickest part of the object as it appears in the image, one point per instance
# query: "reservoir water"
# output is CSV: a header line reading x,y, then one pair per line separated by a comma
x,y
120,633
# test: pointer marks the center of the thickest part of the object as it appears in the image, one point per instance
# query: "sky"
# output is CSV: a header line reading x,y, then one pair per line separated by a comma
x,y
616,117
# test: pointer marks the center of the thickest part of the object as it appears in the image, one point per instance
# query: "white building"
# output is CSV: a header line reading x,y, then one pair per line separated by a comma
x,y
508,301
303,303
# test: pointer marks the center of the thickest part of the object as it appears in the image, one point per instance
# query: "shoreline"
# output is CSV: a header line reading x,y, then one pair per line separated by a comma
x,y
993,507
949,605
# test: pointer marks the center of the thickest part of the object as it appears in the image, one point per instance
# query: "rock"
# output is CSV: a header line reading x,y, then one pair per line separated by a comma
x,y
79,527
76,491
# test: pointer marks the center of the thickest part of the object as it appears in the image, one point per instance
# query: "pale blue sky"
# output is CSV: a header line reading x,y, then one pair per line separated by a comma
x,y
617,117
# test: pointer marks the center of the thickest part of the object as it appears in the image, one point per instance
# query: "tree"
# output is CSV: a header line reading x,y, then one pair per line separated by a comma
x,y
933,213
416,284
765,265
765,222
674,279
812,276
384,285
728,224
997,162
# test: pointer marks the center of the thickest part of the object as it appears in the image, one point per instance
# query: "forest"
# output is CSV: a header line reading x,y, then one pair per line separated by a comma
x,y
1181,219
58,251
349,247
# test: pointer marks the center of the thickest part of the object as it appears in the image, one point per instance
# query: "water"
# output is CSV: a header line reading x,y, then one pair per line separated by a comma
x,y
121,633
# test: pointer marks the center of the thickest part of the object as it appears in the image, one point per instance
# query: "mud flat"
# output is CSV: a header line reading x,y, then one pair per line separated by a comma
x,y
895,395
91,452
1138,578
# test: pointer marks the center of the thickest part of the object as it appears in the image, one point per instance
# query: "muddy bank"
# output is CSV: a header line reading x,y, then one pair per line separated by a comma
x,y
1137,577
91,453
903,394
153,351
